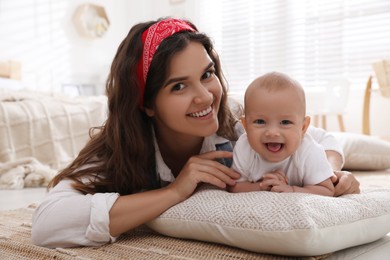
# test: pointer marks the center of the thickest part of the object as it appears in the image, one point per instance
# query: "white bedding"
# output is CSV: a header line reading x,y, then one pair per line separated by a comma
x,y
51,130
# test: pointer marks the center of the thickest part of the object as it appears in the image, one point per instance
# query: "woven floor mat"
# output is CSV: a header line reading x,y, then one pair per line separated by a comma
x,y
141,243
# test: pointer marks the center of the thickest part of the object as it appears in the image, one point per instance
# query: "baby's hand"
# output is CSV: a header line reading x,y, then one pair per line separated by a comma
x,y
264,186
278,175
272,179
282,188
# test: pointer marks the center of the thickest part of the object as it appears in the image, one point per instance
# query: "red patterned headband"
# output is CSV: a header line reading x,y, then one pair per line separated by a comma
x,y
151,39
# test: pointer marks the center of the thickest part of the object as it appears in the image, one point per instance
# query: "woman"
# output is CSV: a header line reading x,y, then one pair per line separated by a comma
x,y
168,129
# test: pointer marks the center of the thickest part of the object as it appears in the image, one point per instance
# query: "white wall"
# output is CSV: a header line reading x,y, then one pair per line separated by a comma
x,y
379,114
41,34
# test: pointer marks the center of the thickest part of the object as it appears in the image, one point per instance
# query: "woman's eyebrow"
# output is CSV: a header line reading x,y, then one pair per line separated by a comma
x,y
178,79
211,64
172,80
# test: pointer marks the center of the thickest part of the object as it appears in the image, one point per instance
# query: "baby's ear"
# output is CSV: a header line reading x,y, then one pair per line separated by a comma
x,y
243,122
305,125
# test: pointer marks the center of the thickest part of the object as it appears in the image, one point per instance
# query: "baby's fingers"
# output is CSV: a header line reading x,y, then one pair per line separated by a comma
x,y
275,176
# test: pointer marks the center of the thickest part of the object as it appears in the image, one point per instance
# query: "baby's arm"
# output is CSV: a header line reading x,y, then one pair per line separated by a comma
x,y
324,188
314,172
245,186
264,184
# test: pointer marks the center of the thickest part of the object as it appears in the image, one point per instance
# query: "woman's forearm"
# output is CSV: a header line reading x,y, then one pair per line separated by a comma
x,y
335,159
133,210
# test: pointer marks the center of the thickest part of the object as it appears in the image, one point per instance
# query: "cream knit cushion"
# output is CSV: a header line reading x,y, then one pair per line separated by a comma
x,y
295,224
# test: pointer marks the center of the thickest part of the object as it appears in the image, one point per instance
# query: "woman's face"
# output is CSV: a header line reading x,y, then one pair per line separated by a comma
x,y
188,102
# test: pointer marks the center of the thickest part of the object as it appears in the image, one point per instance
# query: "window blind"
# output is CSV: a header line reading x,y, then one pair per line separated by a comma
x,y
313,41
31,32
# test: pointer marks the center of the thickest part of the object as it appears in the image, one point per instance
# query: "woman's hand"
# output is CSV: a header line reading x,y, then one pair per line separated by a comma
x,y
144,206
345,183
204,168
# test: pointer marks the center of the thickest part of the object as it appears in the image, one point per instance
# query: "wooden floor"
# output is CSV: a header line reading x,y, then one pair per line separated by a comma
x,y
373,179
14,199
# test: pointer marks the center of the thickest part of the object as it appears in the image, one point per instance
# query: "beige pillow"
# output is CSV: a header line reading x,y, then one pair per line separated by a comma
x,y
364,152
294,224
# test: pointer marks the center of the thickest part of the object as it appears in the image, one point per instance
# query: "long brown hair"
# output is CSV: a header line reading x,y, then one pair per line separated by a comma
x,y
120,157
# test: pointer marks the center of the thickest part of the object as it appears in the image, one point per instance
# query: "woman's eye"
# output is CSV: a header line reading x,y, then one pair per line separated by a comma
x,y
178,86
208,74
259,121
285,122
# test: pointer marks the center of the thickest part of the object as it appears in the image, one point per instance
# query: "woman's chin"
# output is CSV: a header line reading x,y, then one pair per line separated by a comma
x,y
209,130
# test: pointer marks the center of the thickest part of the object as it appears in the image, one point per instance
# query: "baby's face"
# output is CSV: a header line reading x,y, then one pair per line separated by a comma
x,y
275,122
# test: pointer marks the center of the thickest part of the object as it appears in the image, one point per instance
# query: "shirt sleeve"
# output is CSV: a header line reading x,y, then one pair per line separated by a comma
x,y
311,157
68,218
240,158
326,140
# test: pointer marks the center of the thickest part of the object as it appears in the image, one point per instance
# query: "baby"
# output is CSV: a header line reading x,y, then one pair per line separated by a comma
x,y
277,153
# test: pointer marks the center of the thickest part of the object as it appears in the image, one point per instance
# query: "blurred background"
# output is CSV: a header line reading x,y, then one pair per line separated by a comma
x,y
329,46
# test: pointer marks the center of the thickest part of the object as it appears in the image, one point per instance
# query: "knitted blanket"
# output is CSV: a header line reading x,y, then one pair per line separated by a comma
x,y
41,130
25,172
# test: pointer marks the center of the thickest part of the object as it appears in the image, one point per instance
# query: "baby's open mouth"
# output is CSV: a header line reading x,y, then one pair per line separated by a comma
x,y
201,113
274,147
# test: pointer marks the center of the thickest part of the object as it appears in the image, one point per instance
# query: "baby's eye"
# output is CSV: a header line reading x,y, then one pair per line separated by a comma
x,y
208,74
177,87
285,122
259,121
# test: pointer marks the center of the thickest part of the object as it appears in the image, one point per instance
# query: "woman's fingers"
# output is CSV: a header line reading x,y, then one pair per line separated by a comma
x,y
209,159
346,183
204,168
209,170
215,155
210,179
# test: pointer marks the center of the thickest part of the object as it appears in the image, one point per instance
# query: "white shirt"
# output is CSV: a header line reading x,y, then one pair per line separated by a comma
x,y
307,166
67,218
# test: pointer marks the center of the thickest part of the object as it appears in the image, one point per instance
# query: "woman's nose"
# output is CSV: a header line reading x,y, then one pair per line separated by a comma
x,y
202,94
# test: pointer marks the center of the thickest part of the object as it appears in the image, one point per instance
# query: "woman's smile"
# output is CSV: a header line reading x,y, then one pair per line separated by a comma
x,y
201,114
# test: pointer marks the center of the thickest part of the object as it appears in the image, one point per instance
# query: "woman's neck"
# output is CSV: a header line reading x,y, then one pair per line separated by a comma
x,y
176,151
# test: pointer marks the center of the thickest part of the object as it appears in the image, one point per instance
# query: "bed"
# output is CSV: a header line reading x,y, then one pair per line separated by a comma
x,y
41,133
